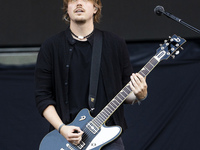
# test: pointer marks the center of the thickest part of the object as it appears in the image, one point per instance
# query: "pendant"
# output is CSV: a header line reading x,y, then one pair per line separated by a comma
x,y
81,37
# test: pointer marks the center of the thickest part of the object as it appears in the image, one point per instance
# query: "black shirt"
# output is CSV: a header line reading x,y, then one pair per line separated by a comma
x,y
79,75
52,75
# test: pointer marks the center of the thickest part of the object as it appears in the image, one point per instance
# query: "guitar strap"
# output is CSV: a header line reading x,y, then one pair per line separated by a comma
x,y
95,68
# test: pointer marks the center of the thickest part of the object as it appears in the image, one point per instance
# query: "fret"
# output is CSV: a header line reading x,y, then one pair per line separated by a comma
x,y
117,99
148,67
128,89
104,114
144,71
142,74
105,111
107,108
100,119
116,102
96,122
113,103
111,107
124,94
120,96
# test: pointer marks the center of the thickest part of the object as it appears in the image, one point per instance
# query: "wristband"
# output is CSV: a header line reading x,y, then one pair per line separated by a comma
x,y
60,127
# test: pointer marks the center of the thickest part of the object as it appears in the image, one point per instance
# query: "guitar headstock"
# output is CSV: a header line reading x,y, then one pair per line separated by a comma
x,y
170,47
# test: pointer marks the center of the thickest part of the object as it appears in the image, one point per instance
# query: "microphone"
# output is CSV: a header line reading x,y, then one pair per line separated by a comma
x,y
159,10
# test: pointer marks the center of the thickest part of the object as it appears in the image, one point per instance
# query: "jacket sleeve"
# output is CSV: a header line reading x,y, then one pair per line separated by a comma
x,y
43,79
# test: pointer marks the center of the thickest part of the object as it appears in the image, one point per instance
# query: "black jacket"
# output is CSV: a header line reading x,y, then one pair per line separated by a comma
x,y
52,68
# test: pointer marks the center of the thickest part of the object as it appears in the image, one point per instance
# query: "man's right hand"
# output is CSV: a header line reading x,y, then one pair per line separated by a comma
x,y
73,134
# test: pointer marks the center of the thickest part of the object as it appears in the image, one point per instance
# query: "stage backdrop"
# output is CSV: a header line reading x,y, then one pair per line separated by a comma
x,y
30,22
167,120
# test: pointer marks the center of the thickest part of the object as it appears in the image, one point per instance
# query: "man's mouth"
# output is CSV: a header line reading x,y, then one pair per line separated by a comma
x,y
79,10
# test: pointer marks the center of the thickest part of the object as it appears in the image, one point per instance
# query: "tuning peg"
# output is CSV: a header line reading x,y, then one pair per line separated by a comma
x,y
177,52
173,56
172,49
165,41
160,45
182,48
170,37
177,45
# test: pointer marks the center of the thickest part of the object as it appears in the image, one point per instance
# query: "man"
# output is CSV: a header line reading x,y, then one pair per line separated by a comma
x,y
63,72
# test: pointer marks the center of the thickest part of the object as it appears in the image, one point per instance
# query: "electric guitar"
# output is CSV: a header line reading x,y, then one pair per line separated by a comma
x,y
96,134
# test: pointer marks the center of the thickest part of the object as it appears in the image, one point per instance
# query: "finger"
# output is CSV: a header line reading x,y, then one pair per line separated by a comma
x,y
78,130
134,82
136,85
138,79
143,81
76,141
132,87
141,78
75,135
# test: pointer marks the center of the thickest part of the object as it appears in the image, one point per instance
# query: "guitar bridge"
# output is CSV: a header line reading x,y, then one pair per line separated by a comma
x,y
94,129
81,145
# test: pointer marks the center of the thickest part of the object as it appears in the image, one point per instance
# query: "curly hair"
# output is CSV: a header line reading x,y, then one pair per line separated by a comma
x,y
97,16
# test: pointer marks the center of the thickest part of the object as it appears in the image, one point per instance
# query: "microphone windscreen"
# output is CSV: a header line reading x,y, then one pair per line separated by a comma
x,y
158,10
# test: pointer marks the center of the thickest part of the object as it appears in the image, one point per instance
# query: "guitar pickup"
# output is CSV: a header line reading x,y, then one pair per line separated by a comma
x,y
92,127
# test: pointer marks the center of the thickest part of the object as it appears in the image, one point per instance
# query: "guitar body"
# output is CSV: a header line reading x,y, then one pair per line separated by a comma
x,y
90,141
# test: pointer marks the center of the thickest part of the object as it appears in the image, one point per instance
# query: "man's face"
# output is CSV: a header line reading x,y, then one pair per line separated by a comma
x,y
81,10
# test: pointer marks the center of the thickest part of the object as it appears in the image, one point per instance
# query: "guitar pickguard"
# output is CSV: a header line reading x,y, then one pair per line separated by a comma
x,y
105,135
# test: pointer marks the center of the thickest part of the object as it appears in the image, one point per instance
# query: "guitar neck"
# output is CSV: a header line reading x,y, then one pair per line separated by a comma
x,y
110,108
149,66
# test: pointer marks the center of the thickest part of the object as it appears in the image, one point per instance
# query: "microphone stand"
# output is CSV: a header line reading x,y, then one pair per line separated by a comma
x,y
180,21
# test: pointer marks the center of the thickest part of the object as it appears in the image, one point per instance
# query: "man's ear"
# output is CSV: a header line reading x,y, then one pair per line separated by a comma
x,y
96,9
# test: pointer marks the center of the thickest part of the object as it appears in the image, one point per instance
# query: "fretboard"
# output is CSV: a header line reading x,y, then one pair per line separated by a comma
x,y
110,108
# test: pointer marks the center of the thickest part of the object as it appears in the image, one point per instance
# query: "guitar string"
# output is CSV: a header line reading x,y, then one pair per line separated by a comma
x,y
127,91
128,88
87,132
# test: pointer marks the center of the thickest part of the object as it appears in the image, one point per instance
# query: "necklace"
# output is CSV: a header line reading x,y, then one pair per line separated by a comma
x,y
82,37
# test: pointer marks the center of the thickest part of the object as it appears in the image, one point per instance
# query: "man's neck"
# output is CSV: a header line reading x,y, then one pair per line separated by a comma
x,y
81,29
